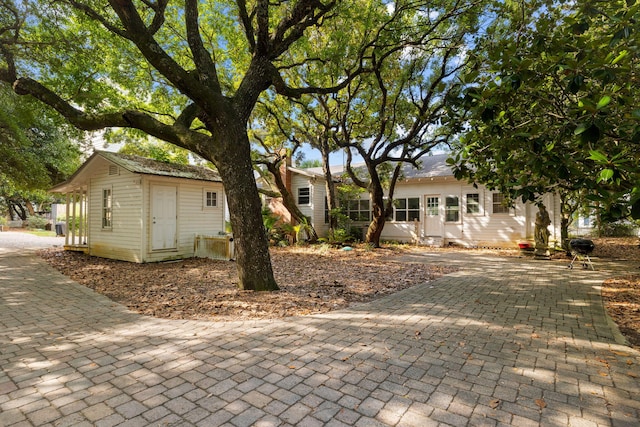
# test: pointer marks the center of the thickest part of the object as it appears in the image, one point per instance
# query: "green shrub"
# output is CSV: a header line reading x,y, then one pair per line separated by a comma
x,y
620,229
37,221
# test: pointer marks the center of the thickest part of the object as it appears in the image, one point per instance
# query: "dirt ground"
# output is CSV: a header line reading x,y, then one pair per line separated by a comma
x,y
621,294
313,279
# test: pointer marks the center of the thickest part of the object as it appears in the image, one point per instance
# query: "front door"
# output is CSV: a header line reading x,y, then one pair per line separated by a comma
x,y
163,217
432,221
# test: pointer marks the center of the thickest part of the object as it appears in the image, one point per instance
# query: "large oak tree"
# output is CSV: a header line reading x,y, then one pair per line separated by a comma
x,y
186,72
394,115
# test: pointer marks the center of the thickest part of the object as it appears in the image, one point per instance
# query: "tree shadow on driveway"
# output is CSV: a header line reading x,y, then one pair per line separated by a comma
x,y
500,341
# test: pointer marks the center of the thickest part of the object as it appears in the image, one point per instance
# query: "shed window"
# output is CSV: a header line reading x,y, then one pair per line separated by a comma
x,y
210,199
499,204
407,209
107,203
473,203
452,209
304,196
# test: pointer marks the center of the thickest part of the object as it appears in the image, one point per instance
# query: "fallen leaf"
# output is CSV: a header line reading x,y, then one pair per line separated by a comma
x,y
494,403
541,403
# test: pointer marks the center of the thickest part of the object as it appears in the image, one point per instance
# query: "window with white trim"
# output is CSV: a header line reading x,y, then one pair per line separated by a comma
x,y
499,204
358,210
452,209
304,196
407,209
107,208
473,203
210,199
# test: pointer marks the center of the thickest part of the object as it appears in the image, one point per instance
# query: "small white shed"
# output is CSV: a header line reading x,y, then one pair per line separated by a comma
x,y
141,210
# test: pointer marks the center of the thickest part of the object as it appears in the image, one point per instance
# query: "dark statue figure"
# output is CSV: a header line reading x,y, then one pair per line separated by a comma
x,y
542,232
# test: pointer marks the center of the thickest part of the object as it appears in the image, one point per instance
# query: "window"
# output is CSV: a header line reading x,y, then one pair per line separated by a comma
x,y
451,209
358,210
407,209
473,203
304,196
433,206
107,203
499,203
210,199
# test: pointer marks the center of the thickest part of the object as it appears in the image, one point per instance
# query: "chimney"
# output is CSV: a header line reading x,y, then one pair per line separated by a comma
x,y
285,171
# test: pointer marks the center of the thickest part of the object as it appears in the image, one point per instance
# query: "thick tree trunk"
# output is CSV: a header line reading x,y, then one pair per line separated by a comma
x,y
18,209
564,233
330,186
252,247
30,208
378,213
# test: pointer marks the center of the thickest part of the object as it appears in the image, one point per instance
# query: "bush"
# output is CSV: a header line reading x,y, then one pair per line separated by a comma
x,y
620,229
341,236
278,232
37,221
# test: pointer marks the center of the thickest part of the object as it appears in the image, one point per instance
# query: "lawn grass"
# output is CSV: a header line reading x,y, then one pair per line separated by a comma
x,y
41,233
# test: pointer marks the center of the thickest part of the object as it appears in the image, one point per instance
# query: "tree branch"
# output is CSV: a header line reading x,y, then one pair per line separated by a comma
x,y
305,14
262,18
245,19
138,33
205,65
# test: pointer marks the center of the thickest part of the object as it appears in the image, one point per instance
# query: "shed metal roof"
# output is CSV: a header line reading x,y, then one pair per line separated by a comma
x,y
140,165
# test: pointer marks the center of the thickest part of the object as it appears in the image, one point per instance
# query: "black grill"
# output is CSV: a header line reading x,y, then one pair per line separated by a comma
x,y
581,248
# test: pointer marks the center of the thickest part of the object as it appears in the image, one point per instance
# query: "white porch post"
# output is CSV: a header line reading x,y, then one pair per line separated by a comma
x,y
74,199
66,220
81,217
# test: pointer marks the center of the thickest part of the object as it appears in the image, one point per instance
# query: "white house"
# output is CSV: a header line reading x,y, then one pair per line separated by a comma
x,y
433,207
141,210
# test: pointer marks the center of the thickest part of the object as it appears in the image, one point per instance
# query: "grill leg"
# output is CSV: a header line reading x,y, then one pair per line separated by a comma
x,y
575,256
587,263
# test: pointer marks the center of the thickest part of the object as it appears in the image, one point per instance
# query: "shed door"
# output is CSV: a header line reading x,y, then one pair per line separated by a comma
x,y
163,217
432,221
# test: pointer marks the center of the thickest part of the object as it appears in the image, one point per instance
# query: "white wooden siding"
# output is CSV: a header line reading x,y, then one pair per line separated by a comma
x,y
121,241
129,237
315,210
481,229
193,216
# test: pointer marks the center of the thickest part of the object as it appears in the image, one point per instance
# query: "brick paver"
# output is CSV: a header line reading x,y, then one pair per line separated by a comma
x,y
500,342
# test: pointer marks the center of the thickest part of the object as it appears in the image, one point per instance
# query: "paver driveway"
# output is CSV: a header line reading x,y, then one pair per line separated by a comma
x,y
500,342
